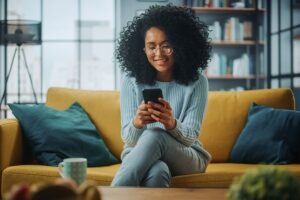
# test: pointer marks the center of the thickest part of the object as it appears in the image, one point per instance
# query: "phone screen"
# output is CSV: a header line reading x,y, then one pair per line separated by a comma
x,y
152,95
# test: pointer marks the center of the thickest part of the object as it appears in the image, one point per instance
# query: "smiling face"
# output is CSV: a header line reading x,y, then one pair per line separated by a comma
x,y
159,53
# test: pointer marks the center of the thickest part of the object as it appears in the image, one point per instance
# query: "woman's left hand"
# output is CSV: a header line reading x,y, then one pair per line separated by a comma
x,y
162,113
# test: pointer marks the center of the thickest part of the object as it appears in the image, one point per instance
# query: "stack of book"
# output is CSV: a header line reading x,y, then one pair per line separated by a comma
x,y
220,65
220,3
231,30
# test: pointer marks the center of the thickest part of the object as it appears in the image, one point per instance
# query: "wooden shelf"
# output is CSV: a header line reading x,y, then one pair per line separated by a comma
x,y
236,43
230,77
226,10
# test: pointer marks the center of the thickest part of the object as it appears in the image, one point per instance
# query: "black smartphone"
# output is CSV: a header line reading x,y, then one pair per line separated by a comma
x,y
152,95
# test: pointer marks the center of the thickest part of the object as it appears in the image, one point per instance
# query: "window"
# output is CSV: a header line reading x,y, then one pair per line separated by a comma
x,y
77,49
284,41
78,46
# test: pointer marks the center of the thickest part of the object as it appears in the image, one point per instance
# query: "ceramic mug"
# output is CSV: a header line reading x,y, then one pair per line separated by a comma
x,y
73,168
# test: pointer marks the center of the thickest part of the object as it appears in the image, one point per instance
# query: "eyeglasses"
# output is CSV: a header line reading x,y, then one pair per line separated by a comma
x,y
165,50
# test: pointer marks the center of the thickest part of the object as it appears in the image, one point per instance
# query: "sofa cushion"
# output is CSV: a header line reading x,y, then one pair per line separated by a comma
x,y
46,174
270,136
217,175
53,134
103,108
227,114
221,175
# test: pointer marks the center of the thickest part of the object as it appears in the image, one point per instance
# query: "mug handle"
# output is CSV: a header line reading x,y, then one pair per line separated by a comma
x,y
60,169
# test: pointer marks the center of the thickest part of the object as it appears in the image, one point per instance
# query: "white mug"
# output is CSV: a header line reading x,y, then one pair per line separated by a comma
x,y
73,168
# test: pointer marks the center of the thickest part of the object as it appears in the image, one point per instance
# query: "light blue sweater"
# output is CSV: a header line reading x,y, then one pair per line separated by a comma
x,y
188,103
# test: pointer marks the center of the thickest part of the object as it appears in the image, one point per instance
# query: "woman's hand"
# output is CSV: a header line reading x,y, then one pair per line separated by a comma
x,y
142,116
162,113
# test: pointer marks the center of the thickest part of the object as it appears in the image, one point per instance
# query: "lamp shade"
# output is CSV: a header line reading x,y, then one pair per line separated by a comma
x,y
20,32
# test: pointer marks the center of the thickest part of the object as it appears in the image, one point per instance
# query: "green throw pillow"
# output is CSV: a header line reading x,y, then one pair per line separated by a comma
x,y
270,136
54,135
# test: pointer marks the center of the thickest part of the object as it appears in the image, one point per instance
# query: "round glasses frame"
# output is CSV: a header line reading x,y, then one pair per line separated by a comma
x,y
165,50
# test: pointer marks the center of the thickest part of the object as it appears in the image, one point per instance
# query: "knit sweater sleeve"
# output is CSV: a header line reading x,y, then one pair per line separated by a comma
x,y
129,106
187,130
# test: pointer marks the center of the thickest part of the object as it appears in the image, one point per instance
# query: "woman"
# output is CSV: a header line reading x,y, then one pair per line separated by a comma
x,y
167,48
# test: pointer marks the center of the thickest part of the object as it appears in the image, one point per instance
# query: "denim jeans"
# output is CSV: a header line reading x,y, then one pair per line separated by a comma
x,y
156,157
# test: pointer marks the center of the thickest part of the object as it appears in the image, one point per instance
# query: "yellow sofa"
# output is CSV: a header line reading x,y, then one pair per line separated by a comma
x,y
225,118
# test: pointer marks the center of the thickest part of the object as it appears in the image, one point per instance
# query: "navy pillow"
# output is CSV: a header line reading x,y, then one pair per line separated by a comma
x,y
54,135
271,136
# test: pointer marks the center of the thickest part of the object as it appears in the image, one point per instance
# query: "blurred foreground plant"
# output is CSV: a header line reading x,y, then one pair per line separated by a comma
x,y
265,183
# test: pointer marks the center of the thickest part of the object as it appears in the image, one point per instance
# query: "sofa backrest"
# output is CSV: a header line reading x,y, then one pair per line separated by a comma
x,y
225,117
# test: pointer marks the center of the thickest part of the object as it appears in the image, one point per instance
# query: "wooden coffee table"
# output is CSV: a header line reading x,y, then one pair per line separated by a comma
x,y
130,193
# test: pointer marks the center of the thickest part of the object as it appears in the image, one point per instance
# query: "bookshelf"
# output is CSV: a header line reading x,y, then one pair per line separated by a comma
x,y
229,77
236,43
237,32
226,10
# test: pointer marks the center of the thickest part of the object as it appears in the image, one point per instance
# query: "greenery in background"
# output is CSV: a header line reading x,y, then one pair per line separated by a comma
x,y
265,183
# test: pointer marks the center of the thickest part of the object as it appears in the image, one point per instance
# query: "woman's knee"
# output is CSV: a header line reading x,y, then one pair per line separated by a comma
x,y
153,142
158,175
160,168
156,135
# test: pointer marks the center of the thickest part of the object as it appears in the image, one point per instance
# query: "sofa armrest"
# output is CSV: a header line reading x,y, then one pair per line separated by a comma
x,y
11,145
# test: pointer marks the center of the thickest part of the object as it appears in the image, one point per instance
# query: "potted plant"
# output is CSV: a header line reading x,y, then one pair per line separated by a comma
x,y
265,183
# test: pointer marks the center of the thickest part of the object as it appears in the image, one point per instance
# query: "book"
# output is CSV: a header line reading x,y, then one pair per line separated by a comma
x,y
248,33
214,66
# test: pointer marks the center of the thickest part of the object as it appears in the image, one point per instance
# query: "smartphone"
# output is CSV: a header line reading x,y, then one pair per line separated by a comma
x,y
152,95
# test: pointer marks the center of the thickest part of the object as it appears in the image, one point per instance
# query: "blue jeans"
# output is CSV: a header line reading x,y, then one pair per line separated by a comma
x,y
156,157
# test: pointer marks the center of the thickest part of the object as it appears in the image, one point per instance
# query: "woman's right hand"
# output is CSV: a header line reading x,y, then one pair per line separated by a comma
x,y
142,116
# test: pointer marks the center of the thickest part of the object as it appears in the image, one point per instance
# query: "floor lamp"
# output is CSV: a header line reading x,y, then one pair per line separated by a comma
x,y
19,32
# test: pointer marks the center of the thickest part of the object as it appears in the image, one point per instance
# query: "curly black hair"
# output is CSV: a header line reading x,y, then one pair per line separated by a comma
x,y
185,32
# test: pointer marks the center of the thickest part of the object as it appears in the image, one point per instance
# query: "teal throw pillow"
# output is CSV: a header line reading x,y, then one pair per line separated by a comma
x,y
54,135
271,136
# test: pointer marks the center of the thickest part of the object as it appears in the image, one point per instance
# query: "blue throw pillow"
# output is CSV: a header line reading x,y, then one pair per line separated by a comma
x,y
271,136
54,135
